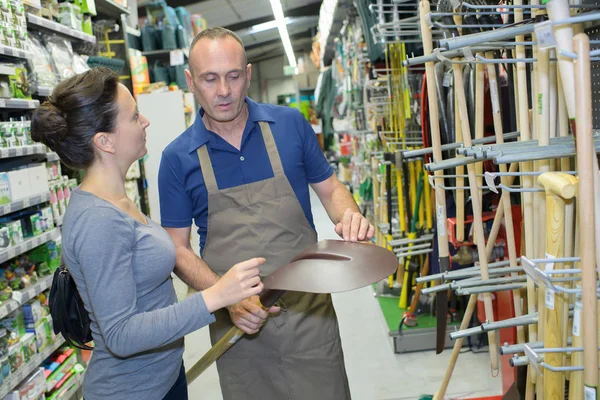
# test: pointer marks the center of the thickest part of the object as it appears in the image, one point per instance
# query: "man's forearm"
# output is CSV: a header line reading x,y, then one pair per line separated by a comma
x,y
193,270
338,202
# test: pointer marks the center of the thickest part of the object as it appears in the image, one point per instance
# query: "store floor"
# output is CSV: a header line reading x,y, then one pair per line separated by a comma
x,y
374,371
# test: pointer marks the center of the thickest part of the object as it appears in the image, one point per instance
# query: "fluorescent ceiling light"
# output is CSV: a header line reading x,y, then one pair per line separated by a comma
x,y
265,26
285,37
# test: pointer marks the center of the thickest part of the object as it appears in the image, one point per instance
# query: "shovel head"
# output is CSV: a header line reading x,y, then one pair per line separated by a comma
x,y
331,266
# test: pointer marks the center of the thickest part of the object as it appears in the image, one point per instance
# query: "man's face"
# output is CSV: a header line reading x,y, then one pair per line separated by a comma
x,y
219,77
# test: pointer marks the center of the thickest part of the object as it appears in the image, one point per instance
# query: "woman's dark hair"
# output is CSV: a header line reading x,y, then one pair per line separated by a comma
x,y
78,108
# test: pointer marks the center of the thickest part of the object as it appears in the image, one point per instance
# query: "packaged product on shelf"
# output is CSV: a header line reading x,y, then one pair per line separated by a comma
x,y
60,196
54,170
33,387
4,238
54,202
29,346
19,82
5,366
9,138
20,136
38,178
20,186
47,218
86,25
5,196
33,314
41,334
69,14
3,343
6,11
72,185
50,9
61,52
66,190
80,65
32,225
14,324
15,231
49,325
54,249
15,356
88,7
41,65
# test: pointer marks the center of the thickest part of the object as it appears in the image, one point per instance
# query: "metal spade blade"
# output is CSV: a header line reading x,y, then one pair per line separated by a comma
x,y
328,266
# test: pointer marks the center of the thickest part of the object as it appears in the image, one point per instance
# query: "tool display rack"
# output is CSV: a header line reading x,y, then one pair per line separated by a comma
x,y
516,152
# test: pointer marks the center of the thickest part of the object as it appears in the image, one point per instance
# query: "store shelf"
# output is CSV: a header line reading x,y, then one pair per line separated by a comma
x,y
10,152
25,246
23,104
72,384
39,22
164,52
108,8
37,4
23,296
24,203
44,91
12,52
25,370
133,31
52,156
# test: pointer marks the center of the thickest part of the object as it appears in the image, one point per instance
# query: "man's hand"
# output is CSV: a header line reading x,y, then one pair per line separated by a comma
x,y
354,227
248,315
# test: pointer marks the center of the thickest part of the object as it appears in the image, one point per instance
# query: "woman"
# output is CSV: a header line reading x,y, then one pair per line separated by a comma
x,y
121,260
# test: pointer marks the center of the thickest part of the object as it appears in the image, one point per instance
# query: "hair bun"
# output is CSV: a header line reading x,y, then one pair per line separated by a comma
x,y
49,124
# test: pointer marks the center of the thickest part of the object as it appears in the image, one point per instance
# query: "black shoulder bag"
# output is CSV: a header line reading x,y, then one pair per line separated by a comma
x,y
68,312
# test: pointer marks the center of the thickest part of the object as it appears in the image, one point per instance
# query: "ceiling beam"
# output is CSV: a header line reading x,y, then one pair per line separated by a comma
x,y
299,35
307,10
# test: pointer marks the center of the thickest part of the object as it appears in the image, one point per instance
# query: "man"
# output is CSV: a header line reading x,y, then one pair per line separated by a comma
x,y
242,173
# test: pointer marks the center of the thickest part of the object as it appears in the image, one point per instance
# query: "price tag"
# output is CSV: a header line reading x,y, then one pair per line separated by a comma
x,y
441,220
577,319
5,209
31,104
2,103
455,4
447,78
19,151
468,54
4,153
533,360
590,393
544,35
26,202
176,57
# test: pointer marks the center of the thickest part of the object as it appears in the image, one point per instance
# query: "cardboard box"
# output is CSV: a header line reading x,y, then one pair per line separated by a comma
x,y
20,186
38,178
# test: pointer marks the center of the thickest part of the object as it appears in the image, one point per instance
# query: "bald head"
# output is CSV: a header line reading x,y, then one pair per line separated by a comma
x,y
217,34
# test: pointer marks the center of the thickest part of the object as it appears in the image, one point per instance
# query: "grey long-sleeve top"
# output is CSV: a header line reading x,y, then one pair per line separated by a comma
x,y
122,269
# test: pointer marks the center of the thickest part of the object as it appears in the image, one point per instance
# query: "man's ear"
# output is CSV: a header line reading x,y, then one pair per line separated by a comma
x,y
248,74
105,142
189,79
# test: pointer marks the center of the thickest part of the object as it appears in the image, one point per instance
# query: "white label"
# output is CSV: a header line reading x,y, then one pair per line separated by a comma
x,y
494,95
236,338
441,220
544,35
490,181
577,319
26,202
590,393
31,104
468,54
455,3
19,151
447,77
549,291
2,103
176,57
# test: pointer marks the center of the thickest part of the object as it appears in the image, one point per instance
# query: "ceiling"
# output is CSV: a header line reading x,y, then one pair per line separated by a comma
x,y
241,15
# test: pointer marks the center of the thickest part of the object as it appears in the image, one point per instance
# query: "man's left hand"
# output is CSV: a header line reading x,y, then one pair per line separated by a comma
x,y
354,227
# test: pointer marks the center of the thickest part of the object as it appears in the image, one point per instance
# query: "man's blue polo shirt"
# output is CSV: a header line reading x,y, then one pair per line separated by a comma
x,y
182,192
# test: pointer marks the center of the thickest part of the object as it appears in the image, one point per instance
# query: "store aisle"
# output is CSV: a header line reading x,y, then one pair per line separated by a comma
x,y
374,371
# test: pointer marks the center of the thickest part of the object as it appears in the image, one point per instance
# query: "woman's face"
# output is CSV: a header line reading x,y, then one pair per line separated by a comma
x,y
130,135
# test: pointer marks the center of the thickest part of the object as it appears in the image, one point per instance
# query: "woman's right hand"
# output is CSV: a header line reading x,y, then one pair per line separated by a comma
x,y
240,282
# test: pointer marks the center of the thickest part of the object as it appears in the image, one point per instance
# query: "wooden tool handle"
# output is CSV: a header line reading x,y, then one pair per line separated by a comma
x,y
585,165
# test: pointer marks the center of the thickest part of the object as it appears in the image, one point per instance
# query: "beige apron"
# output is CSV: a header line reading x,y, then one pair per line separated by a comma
x,y
297,354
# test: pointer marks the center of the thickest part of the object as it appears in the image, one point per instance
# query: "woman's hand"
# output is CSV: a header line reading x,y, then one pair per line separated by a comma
x,y
240,282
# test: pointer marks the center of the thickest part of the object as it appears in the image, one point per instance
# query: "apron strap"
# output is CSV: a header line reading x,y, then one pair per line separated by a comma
x,y
207,170
271,148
